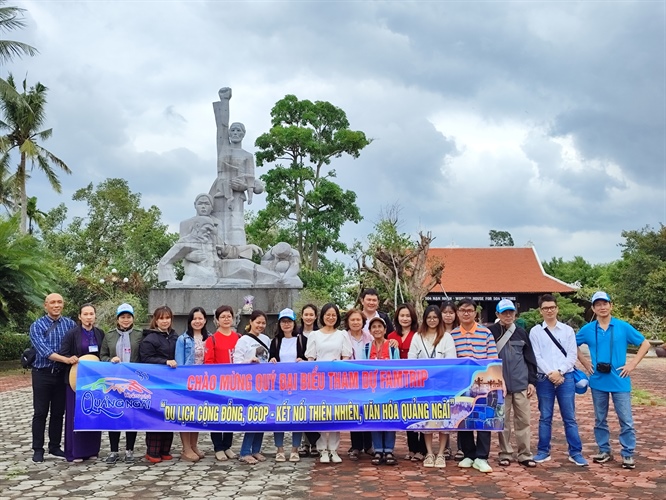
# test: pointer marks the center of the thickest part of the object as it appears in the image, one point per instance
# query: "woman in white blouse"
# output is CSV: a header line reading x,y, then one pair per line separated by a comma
x,y
329,344
432,342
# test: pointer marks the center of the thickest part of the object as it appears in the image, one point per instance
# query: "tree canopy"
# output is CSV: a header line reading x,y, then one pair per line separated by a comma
x,y
500,238
300,194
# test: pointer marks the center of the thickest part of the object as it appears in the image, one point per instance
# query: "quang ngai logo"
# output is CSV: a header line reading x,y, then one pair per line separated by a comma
x,y
118,393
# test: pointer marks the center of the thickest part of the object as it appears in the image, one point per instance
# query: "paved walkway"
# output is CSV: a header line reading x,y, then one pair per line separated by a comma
x,y
560,479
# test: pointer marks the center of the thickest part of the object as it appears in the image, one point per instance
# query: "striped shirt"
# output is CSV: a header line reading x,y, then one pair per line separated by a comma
x,y
49,344
477,343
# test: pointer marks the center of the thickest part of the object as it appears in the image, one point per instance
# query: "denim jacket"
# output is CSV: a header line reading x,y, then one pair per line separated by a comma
x,y
185,350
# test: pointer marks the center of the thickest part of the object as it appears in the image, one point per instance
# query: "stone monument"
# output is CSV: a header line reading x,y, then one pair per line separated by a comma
x,y
212,245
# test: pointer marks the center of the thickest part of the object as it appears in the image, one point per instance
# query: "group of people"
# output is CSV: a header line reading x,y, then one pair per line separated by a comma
x,y
540,363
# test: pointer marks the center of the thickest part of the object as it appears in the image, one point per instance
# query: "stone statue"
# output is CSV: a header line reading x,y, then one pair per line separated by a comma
x,y
236,182
212,244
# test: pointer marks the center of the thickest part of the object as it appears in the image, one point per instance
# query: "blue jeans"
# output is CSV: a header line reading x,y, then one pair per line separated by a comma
x,y
383,441
622,404
296,437
565,394
251,443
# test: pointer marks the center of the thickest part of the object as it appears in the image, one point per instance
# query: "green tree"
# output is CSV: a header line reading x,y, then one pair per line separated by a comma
x,y
396,264
500,238
35,215
11,18
25,275
23,118
117,234
308,135
7,190
641,273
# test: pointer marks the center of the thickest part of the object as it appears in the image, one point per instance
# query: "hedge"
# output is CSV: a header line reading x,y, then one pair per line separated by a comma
x,y
12,345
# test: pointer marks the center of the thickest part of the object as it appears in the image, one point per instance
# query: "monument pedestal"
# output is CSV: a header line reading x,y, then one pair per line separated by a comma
x,y
181,300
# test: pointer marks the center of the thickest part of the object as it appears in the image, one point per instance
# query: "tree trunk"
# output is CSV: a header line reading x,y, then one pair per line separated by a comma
x,y
23,197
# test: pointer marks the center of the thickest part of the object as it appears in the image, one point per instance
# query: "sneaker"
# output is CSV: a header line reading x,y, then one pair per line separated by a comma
x,y
628,463
602,457
129,456
38,456
325,458
112,458
440,461
429,461
58,453
465,463
482,465
541,457
579,460
335,458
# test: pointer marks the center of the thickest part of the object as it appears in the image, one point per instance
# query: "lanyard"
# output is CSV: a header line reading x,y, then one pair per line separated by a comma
x,y
596,341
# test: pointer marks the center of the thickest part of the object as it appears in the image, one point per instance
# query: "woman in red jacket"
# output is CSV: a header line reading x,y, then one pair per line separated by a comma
x,y
219,349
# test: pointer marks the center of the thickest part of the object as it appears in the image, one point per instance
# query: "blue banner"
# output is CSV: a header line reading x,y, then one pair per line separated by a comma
x,y
424,395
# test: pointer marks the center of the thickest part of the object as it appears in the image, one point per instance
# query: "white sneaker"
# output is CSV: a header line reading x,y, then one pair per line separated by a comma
x,y
482,465
335,458
465,463
325,457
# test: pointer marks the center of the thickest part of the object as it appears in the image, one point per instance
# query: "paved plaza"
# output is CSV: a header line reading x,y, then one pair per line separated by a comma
x,y
54,479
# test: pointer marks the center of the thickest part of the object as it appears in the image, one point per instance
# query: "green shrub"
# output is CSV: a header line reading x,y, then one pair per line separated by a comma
x,y
12,345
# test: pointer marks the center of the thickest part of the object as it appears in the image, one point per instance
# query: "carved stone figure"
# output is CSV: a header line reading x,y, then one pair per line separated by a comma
x,y
212,244
236,182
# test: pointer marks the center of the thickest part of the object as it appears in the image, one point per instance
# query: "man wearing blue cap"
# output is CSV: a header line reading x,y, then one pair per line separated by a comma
x,y
608,338
519,371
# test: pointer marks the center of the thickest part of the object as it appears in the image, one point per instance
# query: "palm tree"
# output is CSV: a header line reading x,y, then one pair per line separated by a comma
x,y
24,276
22,119
35,215
7,191
11,19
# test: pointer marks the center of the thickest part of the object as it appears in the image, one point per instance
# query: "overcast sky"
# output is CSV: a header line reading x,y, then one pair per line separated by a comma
x,y
544,119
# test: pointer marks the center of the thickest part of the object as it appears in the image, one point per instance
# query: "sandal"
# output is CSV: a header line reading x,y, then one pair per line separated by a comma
x,y
260,458
504,462
528,463
353,455
248,460
303,451
377,459
389,459
448,454
294,457
279,457
459,455
314,452
409,456
418,457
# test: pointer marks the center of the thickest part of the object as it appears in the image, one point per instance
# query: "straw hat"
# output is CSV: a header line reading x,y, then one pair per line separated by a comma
x,y
75,369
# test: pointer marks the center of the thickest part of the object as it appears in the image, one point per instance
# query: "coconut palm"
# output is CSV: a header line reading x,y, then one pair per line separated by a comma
x,y
22,120
11,18
7,191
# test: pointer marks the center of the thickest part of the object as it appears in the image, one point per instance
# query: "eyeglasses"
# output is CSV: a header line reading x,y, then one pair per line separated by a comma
x,y
549,308
466,311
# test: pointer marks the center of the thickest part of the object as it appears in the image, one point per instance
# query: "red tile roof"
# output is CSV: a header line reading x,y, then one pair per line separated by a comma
x,y
495,270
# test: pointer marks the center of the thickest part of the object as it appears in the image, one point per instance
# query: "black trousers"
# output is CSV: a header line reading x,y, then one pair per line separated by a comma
x,y
48,395
114,439
361,440
416,442
480,449
221,440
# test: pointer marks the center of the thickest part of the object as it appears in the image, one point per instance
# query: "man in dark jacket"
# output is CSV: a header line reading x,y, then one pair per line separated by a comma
x,y
519,371
370,305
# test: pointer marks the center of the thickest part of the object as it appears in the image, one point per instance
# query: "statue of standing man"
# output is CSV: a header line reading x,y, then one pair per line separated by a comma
x,y
235,181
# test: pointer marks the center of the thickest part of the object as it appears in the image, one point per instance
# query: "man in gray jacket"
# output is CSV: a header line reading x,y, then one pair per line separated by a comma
x,y
519,371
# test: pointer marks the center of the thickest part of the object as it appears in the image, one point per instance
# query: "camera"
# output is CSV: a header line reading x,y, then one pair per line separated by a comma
x,y
603,367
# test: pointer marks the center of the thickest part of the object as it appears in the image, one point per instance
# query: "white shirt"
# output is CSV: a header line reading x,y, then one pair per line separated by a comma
x,y
288,349
358,346
248,347
366,325
421,348
549,358
328,346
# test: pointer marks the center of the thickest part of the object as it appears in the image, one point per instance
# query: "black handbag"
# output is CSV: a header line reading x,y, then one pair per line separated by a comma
x,y
30,354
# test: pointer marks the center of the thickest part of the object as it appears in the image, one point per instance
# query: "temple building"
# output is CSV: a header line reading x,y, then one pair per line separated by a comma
x,y
490,274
